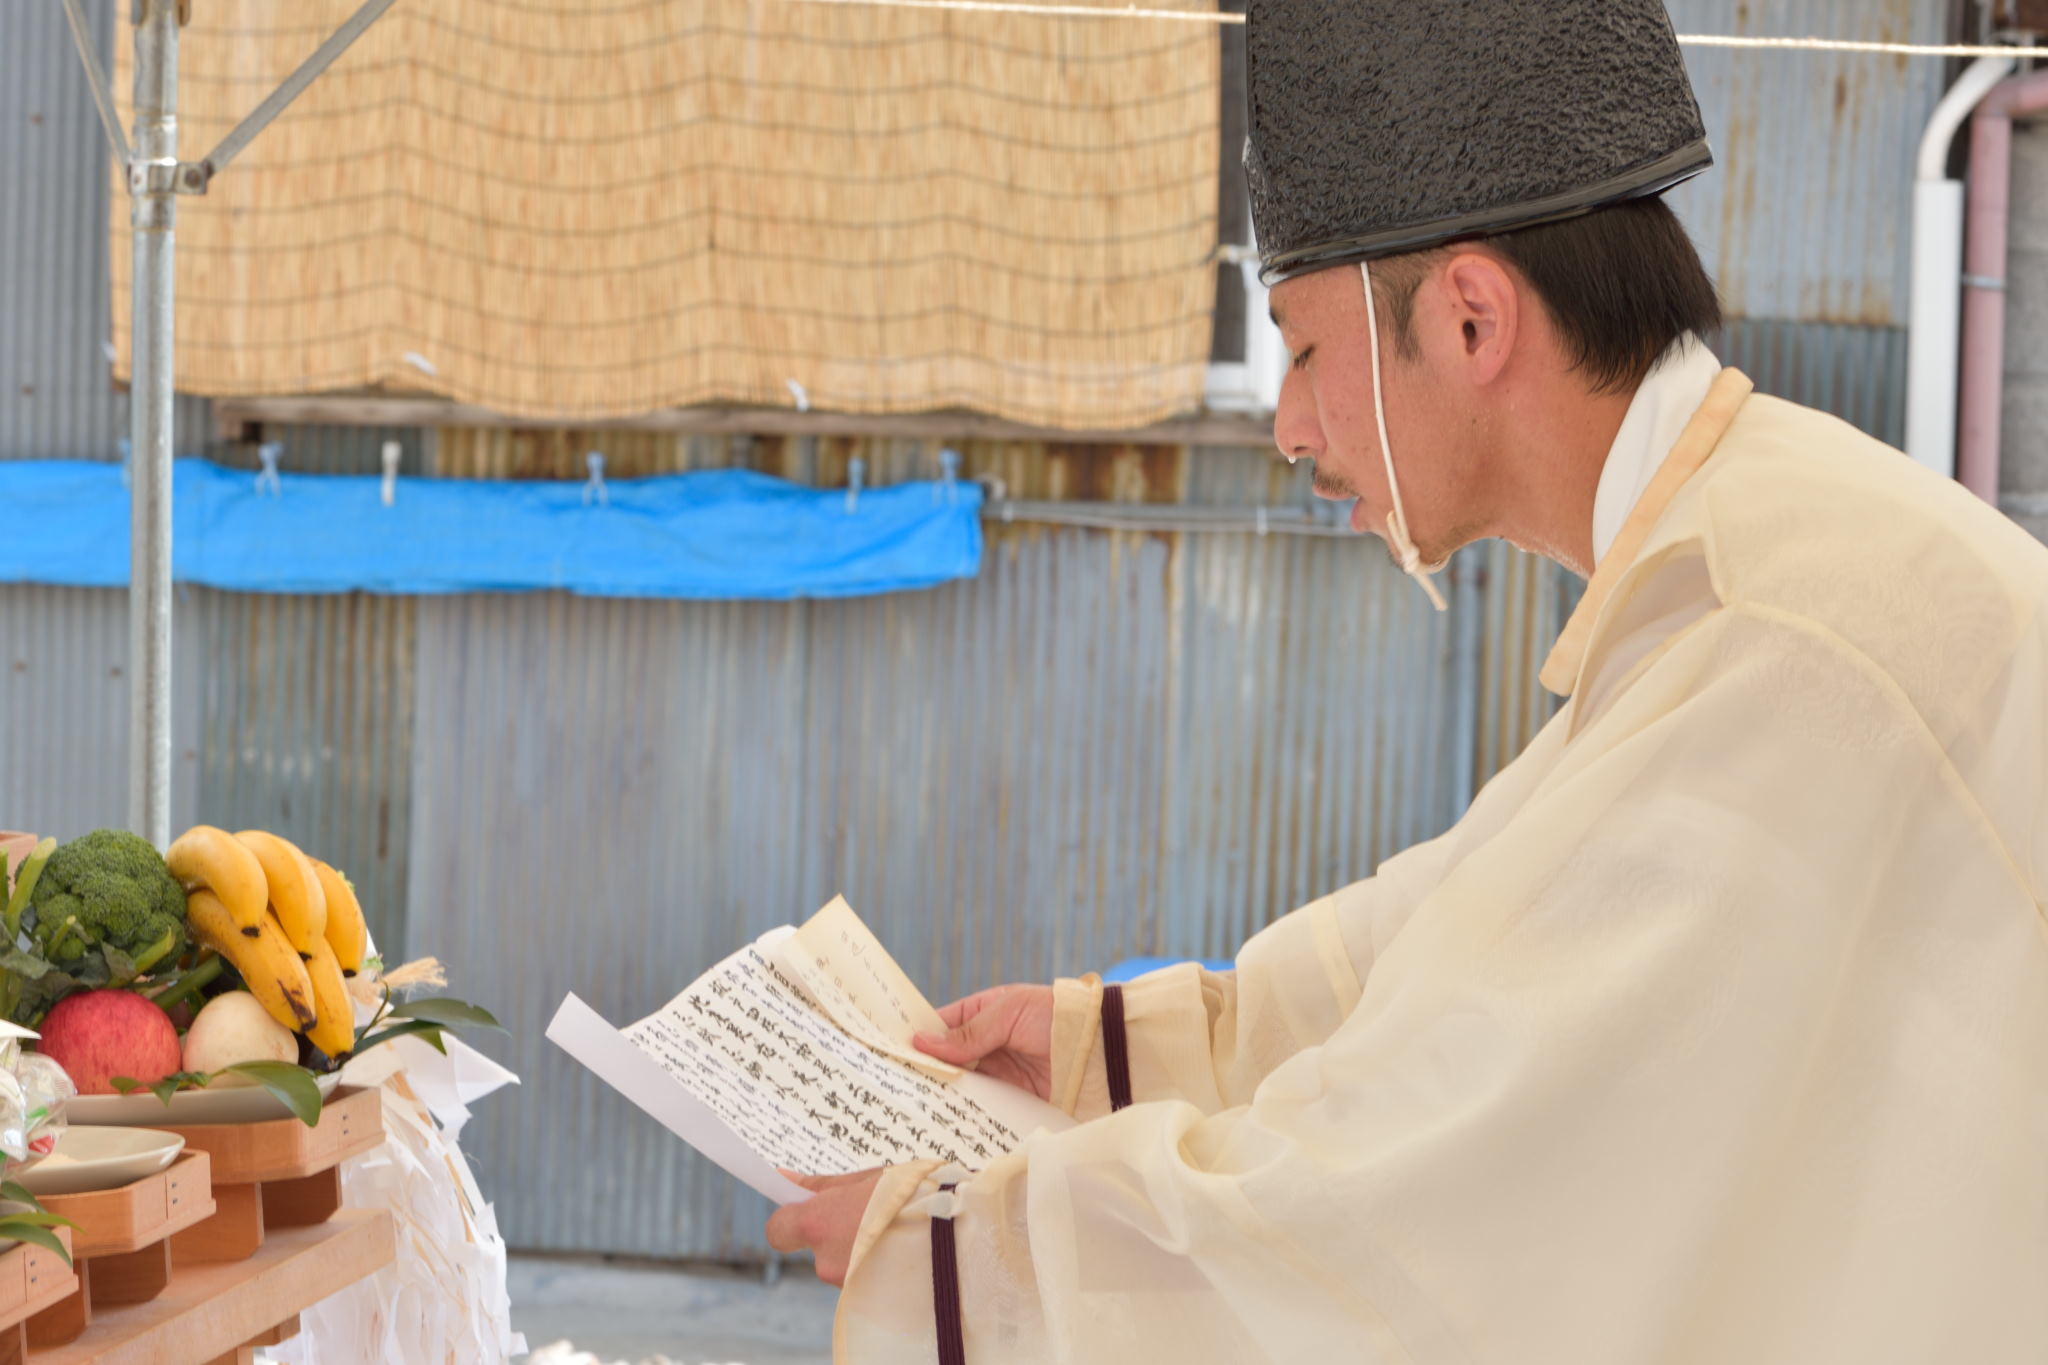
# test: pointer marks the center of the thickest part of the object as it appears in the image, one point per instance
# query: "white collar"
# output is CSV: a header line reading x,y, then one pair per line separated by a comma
x,y
1670,394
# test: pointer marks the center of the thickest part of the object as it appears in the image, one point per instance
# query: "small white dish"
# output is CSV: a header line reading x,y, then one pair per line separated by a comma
x,y
231,1099
100,1159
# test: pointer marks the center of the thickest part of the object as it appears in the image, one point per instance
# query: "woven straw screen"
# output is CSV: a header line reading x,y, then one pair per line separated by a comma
x,y
592,208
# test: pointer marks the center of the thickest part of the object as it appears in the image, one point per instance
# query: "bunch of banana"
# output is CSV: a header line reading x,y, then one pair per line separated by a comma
x,y
270,968
295,895
347,934
212,858
290,924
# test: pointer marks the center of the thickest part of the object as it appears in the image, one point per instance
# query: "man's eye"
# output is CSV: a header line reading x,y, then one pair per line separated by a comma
x,y
1302,360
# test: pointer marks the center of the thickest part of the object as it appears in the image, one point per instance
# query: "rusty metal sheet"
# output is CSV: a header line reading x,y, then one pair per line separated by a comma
x,y
1806,213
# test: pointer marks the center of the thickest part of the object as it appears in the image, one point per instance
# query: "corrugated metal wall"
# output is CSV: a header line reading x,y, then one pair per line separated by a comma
x,y
1106,745
64,711
57,398
303,708
292,714
1804,220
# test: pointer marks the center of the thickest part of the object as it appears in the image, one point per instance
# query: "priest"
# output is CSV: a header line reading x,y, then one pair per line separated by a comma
x,y
1717,1029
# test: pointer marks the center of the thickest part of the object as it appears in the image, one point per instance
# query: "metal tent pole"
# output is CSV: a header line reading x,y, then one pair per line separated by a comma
x,y
152,174
155,178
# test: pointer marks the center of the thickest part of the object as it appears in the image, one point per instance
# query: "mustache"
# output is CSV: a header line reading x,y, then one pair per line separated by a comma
x,y
1333,488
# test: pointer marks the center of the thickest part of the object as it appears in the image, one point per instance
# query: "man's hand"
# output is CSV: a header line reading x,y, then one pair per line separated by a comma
x,y
826,1223
1005,1032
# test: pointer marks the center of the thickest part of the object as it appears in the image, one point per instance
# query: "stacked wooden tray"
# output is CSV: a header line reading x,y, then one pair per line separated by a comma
x,y
31,1281
275,1174
212,1257
121,1249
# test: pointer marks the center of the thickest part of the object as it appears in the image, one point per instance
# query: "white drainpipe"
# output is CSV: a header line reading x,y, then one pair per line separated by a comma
x,y
1252,385
1936,305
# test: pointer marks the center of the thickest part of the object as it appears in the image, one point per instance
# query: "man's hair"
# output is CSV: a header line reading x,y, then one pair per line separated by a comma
x,y
1620,284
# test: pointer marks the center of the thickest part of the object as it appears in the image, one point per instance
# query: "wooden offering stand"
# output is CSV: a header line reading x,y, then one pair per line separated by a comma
x,y
31,1280
217,1255
276,1174
121,1250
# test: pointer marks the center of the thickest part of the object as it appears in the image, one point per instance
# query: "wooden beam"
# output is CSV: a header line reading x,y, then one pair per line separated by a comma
x,y
369,410
210,1312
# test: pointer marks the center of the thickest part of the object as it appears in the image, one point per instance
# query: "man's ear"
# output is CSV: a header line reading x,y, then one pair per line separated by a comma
x,y
1485,305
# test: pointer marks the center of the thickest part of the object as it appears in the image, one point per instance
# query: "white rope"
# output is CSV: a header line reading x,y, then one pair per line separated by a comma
x,y
1218,18
1061,11
1403,544
1853,45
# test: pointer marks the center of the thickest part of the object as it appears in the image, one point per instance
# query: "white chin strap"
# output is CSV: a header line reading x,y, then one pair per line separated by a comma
x,y
1398,538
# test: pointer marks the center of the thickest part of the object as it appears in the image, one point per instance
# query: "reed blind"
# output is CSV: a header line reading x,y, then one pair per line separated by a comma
x,y
567,209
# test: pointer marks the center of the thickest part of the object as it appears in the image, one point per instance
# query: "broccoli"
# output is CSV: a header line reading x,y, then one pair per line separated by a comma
x,y
106,898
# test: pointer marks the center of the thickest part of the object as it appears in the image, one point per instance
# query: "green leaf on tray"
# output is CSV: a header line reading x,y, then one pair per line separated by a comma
x,y
165,1088
290,1083
425,1029
29,1232
41,1218
121,968
440,1009
23,964
19,1193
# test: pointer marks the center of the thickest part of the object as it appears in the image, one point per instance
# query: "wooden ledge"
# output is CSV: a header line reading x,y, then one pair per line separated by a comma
x,y
208,1311
370,410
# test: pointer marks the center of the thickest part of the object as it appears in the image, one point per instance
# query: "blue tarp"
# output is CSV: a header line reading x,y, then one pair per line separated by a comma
x,y
1131,968
717,534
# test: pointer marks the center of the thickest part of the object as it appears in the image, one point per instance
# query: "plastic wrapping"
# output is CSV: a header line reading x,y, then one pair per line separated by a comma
x,y
33,1092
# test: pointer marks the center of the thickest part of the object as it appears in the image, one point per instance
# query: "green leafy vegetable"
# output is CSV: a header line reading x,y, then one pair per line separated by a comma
x,y
25,878
186,985
27,965
100,911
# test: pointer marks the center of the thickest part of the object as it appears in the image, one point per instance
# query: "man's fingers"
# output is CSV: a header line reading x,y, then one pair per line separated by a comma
x,y
965,1008
819,1183
785,1229
968,1043
943,1048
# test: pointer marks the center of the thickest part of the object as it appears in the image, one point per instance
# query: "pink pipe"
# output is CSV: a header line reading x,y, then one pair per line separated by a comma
x,y
1984,267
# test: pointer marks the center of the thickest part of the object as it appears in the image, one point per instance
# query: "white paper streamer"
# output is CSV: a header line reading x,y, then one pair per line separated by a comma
x,y
443,1300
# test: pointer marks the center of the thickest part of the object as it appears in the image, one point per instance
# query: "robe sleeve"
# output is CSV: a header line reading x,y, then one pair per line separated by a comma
x,y
1594,1104
1208,1037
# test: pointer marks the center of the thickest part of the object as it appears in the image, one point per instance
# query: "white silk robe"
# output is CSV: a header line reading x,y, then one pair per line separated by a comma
x,y
1717,1030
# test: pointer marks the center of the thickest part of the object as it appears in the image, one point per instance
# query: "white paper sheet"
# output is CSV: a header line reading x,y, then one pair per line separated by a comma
x,y
747,1043
847,973
746,1066
584,1034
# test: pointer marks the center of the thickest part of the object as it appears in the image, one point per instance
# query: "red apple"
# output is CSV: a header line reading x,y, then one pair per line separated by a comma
x,y
98,1035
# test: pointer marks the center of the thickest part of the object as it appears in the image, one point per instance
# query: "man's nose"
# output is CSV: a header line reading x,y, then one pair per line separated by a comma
x,y
1293,437
1296,433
